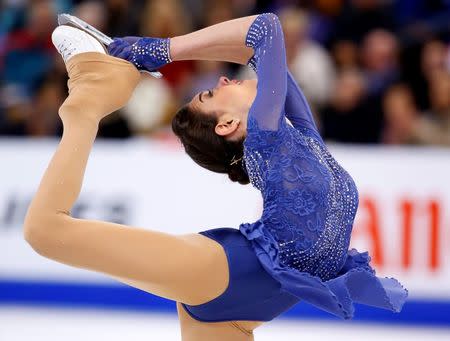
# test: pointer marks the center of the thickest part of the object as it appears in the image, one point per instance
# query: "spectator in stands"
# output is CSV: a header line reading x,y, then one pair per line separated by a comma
x,y
166,19
345,54
95,13
434,126
306,59
357,33
359,17
349,117
434,54
400,115
43,119
28,53
447,63
151,106
122,16
14,110
380,60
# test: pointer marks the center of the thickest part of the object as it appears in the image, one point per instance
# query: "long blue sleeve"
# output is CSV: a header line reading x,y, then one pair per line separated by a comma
x,y
296,106
265,36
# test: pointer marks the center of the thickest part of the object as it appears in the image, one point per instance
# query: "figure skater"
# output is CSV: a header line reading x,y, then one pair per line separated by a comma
x,y
226,282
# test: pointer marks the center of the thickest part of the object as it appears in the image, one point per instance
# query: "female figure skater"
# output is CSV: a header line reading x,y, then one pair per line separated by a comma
x,y
226,282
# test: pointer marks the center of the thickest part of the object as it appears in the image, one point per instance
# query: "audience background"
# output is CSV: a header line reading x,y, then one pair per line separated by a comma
x,y
374,71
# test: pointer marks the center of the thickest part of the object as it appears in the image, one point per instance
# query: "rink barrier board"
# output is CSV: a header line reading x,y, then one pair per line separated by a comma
x,y
403,220
124,298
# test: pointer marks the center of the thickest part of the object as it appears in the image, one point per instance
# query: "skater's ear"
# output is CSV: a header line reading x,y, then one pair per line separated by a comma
x,y
227,125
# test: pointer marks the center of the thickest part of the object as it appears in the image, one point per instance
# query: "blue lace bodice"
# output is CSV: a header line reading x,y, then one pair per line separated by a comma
x,y
310,201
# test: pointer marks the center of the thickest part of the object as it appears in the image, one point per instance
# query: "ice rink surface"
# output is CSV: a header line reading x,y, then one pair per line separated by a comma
x,y
23,324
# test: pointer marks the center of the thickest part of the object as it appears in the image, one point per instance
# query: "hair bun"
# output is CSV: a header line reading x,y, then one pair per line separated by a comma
x,y
237,174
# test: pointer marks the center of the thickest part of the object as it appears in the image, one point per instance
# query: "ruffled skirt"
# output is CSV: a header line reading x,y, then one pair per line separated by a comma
x,y
356,281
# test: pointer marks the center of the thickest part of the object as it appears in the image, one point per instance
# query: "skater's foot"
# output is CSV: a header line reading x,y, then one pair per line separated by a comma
x,y
70,41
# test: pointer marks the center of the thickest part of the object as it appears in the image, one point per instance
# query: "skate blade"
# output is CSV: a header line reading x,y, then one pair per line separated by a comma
x,y
67,19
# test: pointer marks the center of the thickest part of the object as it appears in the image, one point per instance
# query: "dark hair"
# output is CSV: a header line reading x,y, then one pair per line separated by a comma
x,y
196,132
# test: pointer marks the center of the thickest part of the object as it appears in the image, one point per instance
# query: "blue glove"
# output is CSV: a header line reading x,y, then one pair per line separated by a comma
x,y
145,53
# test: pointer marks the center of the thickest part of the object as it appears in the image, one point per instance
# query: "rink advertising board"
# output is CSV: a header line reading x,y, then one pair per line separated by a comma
x,y
403,218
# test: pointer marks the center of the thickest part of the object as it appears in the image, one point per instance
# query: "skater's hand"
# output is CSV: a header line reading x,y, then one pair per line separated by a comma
x,y
145,53
117,47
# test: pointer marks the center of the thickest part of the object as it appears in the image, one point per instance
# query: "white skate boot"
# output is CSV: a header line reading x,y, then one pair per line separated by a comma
x,y
73,21
70,41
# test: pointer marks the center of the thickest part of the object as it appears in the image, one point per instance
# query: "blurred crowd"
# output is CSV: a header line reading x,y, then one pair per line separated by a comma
x,y
374,71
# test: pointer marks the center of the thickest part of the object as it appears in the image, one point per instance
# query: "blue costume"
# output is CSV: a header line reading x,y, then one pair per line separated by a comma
x,y
298,249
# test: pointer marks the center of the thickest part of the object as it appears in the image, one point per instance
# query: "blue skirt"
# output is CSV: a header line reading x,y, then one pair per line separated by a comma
x,y
260,288
356,281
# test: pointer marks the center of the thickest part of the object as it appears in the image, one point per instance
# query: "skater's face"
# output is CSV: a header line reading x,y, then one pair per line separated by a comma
x,y
229,101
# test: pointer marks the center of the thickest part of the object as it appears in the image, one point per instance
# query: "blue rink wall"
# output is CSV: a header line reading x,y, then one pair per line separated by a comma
x,y
120,297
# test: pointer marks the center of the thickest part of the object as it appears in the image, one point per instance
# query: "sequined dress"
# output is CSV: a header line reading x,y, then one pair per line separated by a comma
x,y
310,201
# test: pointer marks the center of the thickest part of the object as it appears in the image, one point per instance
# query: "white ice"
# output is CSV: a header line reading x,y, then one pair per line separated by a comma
x,y
26,324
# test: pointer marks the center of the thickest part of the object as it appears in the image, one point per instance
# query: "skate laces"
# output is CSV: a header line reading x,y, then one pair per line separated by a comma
x,y
66,49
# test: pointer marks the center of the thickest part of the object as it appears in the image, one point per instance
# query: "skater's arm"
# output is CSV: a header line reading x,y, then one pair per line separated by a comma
x,y
223,42
296,106
266,38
